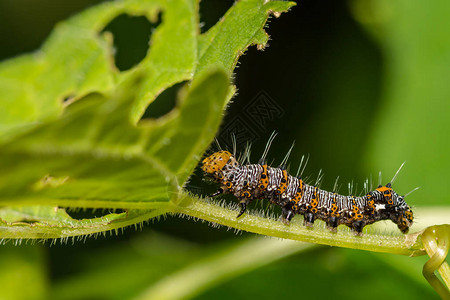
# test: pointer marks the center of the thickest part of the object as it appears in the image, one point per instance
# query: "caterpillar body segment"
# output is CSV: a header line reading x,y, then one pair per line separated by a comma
x,y
260,181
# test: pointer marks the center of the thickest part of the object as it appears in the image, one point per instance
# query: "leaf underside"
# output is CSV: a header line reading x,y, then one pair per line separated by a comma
x,y
71,127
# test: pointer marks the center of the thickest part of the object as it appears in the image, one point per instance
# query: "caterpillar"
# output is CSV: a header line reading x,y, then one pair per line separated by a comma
x,y
260,181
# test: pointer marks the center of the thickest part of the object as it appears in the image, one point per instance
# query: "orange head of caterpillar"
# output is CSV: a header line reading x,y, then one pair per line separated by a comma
x,y
390,205
215,163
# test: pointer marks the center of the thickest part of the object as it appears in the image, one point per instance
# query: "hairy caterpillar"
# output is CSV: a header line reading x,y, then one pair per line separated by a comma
x,y
260,181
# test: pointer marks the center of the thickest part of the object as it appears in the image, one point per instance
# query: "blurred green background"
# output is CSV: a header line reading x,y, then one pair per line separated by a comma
x,y
361,86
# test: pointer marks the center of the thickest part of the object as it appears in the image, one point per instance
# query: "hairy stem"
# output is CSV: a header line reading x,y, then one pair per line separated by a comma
x,y
409,244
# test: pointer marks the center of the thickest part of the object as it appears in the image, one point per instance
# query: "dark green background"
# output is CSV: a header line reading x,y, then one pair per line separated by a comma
x,y
330,77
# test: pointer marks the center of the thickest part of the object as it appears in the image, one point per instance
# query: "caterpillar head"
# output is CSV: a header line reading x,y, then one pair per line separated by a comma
x,y
215,163
390,204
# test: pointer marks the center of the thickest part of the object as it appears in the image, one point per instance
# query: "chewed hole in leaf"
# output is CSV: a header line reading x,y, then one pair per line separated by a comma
x,y
131,38
212,11
164,103
90,213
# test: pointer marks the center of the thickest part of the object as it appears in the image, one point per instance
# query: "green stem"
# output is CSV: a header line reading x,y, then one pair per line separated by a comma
x,y
398,244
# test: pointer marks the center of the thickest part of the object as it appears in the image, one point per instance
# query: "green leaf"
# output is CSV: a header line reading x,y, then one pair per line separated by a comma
x,y
94,151
44,222
94,157
76,60
228,39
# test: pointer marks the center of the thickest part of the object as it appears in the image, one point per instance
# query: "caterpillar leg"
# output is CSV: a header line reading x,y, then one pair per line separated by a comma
x,y
332,223
245,197
358,226
243,208
287,215
309,219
